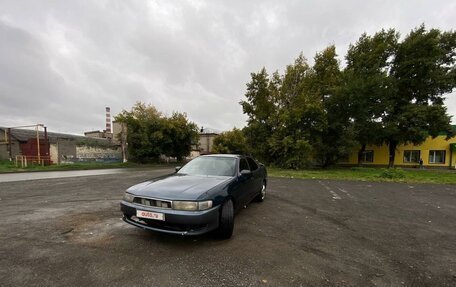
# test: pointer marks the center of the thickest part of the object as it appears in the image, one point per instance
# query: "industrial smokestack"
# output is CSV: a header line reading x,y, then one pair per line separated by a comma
x,y
108,119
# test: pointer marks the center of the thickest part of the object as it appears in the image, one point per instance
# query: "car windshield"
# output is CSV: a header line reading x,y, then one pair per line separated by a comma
x,y
210,165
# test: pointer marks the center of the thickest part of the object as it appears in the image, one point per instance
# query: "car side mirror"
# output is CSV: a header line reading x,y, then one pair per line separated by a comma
x,y
245,172
178,168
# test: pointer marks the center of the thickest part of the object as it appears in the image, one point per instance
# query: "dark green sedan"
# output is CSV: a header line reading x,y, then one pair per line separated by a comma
x,y
200,197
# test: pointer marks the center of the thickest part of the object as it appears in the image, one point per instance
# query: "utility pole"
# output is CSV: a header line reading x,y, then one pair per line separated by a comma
x,y
47,146
37,140
38,144
8,139
123,141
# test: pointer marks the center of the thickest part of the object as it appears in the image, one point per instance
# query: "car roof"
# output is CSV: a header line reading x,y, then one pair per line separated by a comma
x,y
223,155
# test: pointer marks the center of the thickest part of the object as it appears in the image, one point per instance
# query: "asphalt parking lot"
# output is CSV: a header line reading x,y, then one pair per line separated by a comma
x,y
68,232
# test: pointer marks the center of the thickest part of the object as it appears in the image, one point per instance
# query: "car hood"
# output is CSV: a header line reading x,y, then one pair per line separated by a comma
x,y
178,187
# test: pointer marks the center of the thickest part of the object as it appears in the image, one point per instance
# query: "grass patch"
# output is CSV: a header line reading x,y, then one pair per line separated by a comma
x,y
370,174
392,173
7,166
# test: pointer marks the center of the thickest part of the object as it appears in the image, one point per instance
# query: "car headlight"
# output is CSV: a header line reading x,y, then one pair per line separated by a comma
x,y
128,197
202,205
192,205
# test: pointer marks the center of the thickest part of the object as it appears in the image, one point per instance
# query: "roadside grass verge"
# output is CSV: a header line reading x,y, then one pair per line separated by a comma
x,y
341,173
7,166
370,174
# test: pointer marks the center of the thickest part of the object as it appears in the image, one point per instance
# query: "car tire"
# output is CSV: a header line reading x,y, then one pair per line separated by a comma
x,y
226,224
260,197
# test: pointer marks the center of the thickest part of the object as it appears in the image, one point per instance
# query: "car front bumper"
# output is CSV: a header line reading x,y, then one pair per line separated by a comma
x,y
176,221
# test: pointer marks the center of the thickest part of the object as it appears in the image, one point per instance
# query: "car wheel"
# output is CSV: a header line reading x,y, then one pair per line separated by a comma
x,y
226,224
260,197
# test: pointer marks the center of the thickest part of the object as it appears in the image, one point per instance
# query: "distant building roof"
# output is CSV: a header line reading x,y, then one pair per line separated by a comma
x,y
23,135
209,131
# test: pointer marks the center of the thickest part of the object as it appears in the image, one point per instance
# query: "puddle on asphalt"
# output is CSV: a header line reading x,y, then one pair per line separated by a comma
x,y
89,229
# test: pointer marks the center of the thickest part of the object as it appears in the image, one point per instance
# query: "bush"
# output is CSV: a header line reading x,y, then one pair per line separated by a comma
x,y
290,153
392,173
358,168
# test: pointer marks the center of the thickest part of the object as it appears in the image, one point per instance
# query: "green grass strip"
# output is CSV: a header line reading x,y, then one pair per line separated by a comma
x,y
371,174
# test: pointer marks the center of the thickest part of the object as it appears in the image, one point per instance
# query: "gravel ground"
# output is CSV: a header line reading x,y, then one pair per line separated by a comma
x,y
68,232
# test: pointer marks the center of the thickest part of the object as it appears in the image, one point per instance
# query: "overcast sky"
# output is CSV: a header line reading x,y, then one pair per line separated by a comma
x,y
63,62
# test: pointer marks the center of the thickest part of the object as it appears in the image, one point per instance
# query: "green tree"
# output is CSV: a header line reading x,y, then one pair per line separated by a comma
x,y
259,107
232,141
367,84
334,138
293,111
298,118
178,135
144,131
395,89
151,134
390,92
423,71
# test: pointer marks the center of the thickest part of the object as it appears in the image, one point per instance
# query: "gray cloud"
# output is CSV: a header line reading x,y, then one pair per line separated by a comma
x,y
62,62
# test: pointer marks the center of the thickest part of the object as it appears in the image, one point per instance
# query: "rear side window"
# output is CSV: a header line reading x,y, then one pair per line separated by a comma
x,y
252,164
243,164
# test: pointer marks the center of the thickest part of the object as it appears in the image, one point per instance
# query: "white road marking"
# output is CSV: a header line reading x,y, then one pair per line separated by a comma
x,y
21,176
346,192
333,193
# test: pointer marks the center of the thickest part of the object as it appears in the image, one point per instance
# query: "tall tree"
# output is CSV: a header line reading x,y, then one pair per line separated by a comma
x,y
151,134
390,92
259,106
334,138
423,71
179,134
367,83
144,131
289,145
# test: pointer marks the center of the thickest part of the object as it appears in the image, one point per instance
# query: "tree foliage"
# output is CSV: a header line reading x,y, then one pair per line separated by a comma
x,y
367,84
301,114
423,70
397,88
390,91
259,106
151,134
279,110
335,136
233,142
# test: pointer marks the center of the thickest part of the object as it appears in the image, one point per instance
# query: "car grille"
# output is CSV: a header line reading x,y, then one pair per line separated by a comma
x,y
160,203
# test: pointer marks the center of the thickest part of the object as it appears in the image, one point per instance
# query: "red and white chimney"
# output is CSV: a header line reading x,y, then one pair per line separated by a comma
x,y
108,119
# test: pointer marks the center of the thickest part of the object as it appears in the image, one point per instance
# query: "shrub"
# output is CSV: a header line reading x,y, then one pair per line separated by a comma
x,y
392,173
358,168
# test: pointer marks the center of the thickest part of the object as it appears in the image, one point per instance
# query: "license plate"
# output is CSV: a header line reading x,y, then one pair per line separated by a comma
x,y
150,215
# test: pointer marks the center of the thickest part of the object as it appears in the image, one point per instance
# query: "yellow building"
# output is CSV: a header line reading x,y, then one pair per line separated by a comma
x,y
435,152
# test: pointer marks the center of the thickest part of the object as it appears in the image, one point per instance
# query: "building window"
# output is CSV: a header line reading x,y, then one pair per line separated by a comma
x,y
367,156
412,156
436,156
